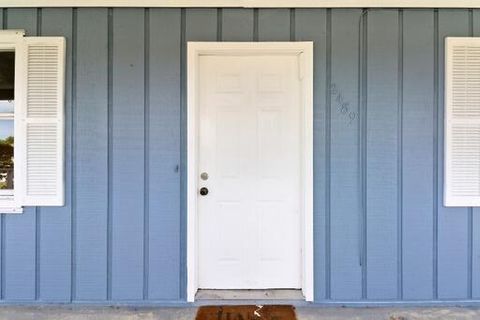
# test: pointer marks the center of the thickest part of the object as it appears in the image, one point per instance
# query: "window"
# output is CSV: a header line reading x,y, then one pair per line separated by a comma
x,y
31,121
7,105
462,122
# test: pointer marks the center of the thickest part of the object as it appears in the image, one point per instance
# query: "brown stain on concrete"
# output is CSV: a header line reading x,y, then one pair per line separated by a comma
x,y
247,312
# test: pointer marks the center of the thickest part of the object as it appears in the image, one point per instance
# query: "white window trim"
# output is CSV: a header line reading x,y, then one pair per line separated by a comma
x,y
195,49
7,116
247,3
31,56
12,40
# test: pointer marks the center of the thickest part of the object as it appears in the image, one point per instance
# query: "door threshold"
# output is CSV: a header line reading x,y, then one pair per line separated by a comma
x,y
248,294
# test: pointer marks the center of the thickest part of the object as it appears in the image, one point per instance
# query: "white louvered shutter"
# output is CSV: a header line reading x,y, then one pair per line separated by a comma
x,y
462,122
40,123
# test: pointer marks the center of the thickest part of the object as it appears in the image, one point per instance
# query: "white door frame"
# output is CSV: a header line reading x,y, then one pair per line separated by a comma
x,y
305,50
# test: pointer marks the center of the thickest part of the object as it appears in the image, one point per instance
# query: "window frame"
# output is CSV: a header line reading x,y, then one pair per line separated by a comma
x,y
11,40
37,127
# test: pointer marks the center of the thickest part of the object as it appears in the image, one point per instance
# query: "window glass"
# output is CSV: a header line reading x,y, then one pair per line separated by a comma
x,y
6,154
7,76
6,106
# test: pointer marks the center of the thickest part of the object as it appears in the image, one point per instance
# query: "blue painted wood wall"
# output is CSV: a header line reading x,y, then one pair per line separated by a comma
x,y
381,231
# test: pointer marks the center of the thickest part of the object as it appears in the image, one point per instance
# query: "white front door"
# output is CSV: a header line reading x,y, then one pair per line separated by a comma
x,y
249,223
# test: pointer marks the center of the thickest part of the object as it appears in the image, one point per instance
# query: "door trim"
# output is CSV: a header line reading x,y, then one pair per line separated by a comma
x,y
305,50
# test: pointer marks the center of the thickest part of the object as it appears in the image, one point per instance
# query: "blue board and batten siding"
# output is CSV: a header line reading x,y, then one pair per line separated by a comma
x,y
381,231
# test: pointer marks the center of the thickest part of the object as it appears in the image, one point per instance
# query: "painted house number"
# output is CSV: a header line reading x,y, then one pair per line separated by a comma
x,y
342,106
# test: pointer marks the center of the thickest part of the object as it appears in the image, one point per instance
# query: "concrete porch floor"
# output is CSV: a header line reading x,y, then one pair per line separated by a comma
x,y
188,313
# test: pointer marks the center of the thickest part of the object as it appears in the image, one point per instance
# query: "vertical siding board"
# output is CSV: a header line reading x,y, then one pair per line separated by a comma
x,y
166,131
274,24
476,211
128,151
476,22
20,229
345,191
452,222
55,225
201,25
91,161
311,26
417,155
237,24
164,155
382,123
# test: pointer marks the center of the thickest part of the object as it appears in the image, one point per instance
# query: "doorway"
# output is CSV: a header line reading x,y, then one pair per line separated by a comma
x,y
250,166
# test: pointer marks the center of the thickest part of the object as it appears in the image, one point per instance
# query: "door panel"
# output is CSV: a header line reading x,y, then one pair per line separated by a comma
x,y
249,144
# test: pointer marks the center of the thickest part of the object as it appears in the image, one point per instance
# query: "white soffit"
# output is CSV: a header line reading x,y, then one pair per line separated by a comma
x,y
247,3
